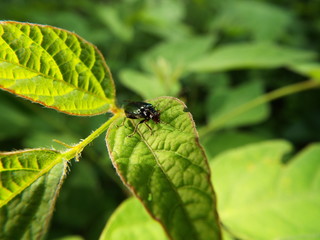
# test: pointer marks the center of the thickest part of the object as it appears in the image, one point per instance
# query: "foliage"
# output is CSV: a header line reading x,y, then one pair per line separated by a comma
x,y
248,72
261,197
175,168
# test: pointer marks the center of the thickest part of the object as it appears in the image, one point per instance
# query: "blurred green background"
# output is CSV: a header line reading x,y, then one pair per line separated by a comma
x,y
214,55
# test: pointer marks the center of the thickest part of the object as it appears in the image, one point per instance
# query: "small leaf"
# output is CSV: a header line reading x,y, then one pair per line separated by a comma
x,y
18,170
262,198
227,108
260,20
116,24
249,55
26,215
178,53
131,221
146,85
311,70
55,68
168,171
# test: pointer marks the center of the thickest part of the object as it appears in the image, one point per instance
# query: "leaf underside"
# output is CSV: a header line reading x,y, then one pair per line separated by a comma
x,y
168,171
54,67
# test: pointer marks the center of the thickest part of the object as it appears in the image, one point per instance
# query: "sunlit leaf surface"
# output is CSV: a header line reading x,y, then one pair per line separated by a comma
x,y
29,184
263,196
55,68
131,221
168,171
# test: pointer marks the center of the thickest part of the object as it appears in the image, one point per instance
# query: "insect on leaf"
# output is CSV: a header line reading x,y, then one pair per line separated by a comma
x,y
167,169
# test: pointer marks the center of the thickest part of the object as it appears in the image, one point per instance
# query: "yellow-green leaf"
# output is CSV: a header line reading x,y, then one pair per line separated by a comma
x,y
54,67
29,185
131,221
250,55
263,196
168,171
18,170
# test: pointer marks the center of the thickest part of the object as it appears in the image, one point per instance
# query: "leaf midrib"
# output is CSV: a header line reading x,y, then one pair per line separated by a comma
x,y
104,97
195,232
33,179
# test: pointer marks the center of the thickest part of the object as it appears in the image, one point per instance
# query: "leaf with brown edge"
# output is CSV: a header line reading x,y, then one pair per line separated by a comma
x,y
30,181
167,171
54,67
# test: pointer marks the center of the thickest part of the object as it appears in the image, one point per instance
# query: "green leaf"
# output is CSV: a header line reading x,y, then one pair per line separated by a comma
x,y
72,237
55,68
150,86
260,20
311,70
225,140
30,183
178,53
249,55
168,171
110,16
146,85
164,65
227,108
162,18
132,221
18,170
263,198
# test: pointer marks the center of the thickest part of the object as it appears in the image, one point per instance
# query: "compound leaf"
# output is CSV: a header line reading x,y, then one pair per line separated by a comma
x,y
54,67
168,171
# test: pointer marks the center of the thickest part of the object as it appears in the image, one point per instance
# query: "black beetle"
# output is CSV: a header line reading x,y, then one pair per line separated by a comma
x,y
136,110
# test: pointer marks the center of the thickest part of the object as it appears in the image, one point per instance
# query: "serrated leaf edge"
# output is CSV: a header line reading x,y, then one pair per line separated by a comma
x,y
108,100
40,173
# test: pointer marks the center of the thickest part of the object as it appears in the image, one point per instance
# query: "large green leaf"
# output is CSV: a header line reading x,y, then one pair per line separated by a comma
x,y
229,139
131,221
55,68
262,196
250,55
168,171
30,183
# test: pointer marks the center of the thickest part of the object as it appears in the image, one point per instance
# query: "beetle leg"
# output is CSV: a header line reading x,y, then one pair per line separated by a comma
x,y
135,129
149,127
122,123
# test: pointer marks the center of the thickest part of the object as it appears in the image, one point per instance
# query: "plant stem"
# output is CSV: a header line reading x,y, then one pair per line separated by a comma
x,y
74,151
281,92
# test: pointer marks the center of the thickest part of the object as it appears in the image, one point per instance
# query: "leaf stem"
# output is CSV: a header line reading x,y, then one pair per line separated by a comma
x,y
75,151
278,93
